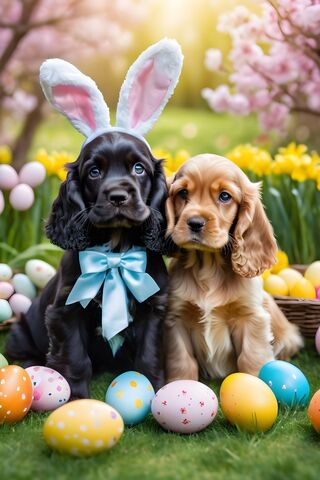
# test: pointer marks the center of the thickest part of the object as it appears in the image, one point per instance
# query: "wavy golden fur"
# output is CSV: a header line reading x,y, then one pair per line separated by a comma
x,y
219,319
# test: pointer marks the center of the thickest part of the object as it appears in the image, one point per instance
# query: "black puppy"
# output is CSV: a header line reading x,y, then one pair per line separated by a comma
x,y
114,194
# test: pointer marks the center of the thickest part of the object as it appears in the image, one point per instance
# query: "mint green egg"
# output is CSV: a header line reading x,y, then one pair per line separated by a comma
x,y
5,311
5,272
3,361
22,284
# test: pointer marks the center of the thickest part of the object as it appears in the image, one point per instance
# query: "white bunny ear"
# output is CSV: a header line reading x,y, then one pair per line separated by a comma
x,y
149,83
74,95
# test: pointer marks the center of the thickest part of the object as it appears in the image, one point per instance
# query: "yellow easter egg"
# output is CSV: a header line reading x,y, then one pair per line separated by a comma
x,y
313,274
83,428
266,274
248,402
290,276
303,289
275,285
282,262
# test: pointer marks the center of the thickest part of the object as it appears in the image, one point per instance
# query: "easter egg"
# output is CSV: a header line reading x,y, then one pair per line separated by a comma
x,y
8,177
287,382
290,276
184,406
5,272
32,173
15,393
313,273
83,428
317,340
5,311
3,361
2,202
22,284
303,289
275,285
314,411
39,272
131,394
248,402
281,263
19,303
21,197
50,389
6,290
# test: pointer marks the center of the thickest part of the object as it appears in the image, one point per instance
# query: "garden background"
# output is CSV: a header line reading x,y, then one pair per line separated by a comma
x,y
250,90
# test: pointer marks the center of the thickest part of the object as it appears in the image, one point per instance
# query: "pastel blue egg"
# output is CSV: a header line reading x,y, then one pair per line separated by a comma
x,y
287,382
5,311
22,284
131,395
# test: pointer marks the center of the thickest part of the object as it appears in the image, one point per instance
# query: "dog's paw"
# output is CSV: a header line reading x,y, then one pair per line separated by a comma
x,y
289,345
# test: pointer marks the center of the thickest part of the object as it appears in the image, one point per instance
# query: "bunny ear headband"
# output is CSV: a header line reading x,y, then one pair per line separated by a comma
x,y
149,83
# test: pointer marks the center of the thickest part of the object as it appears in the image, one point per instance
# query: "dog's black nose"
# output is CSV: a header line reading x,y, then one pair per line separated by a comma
x,y
196,223
118,197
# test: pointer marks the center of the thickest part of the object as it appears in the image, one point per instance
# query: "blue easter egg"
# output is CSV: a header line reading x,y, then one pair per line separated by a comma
x,y
131,394
287,382
22,284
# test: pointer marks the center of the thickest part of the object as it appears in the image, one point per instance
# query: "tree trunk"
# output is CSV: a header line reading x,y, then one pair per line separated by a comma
x,y
23,143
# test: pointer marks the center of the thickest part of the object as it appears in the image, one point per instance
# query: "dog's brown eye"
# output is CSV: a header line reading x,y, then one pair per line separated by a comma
x,y
183,194
224,197
94,172
138,168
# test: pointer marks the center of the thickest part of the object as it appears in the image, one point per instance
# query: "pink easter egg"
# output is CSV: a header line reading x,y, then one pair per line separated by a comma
x,y
19,303
6,290
2,202
50,389
8,177
317,340
184,406
32,173
21,197
318,293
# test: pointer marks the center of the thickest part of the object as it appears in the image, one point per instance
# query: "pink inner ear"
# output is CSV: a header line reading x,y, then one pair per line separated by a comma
x,y
147,93
75,102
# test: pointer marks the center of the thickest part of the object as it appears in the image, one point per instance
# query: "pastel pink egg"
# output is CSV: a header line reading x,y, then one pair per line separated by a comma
x,y
32,173
19,303
6,290
50,389
318,293
2,202
21,197
317,340
8,177
184,406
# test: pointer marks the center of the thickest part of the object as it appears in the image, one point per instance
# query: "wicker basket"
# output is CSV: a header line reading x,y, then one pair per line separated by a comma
x,y
304,313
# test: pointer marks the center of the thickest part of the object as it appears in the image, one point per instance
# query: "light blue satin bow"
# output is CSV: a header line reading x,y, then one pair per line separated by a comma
x,y
116,271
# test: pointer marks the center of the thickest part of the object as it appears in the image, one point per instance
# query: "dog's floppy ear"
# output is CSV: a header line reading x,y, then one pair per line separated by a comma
x,y
65,227
155,225
170,212
254,246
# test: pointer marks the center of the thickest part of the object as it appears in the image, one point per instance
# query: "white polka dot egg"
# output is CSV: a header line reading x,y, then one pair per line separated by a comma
x,y
131,394
83,428
50,389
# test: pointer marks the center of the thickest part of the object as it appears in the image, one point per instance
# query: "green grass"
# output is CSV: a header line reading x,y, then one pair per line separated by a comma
x,y
198,131
289,451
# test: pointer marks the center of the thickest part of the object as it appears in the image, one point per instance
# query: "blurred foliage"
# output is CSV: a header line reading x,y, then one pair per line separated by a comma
x,y
290,193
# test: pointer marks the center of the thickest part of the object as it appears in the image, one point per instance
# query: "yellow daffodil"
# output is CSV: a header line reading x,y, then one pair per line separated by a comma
x,y
171,163
5,154
255,159
55,162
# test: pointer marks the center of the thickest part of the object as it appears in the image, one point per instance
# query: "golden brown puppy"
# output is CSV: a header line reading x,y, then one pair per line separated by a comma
x,y
220,320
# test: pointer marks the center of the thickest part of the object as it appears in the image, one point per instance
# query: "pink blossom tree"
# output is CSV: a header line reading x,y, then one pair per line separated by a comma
x,y
275,62
33,30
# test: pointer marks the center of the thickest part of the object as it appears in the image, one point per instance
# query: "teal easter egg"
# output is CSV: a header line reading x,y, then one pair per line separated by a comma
x,y
22,284
3,361
287,382
131,395
5,311
5,272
